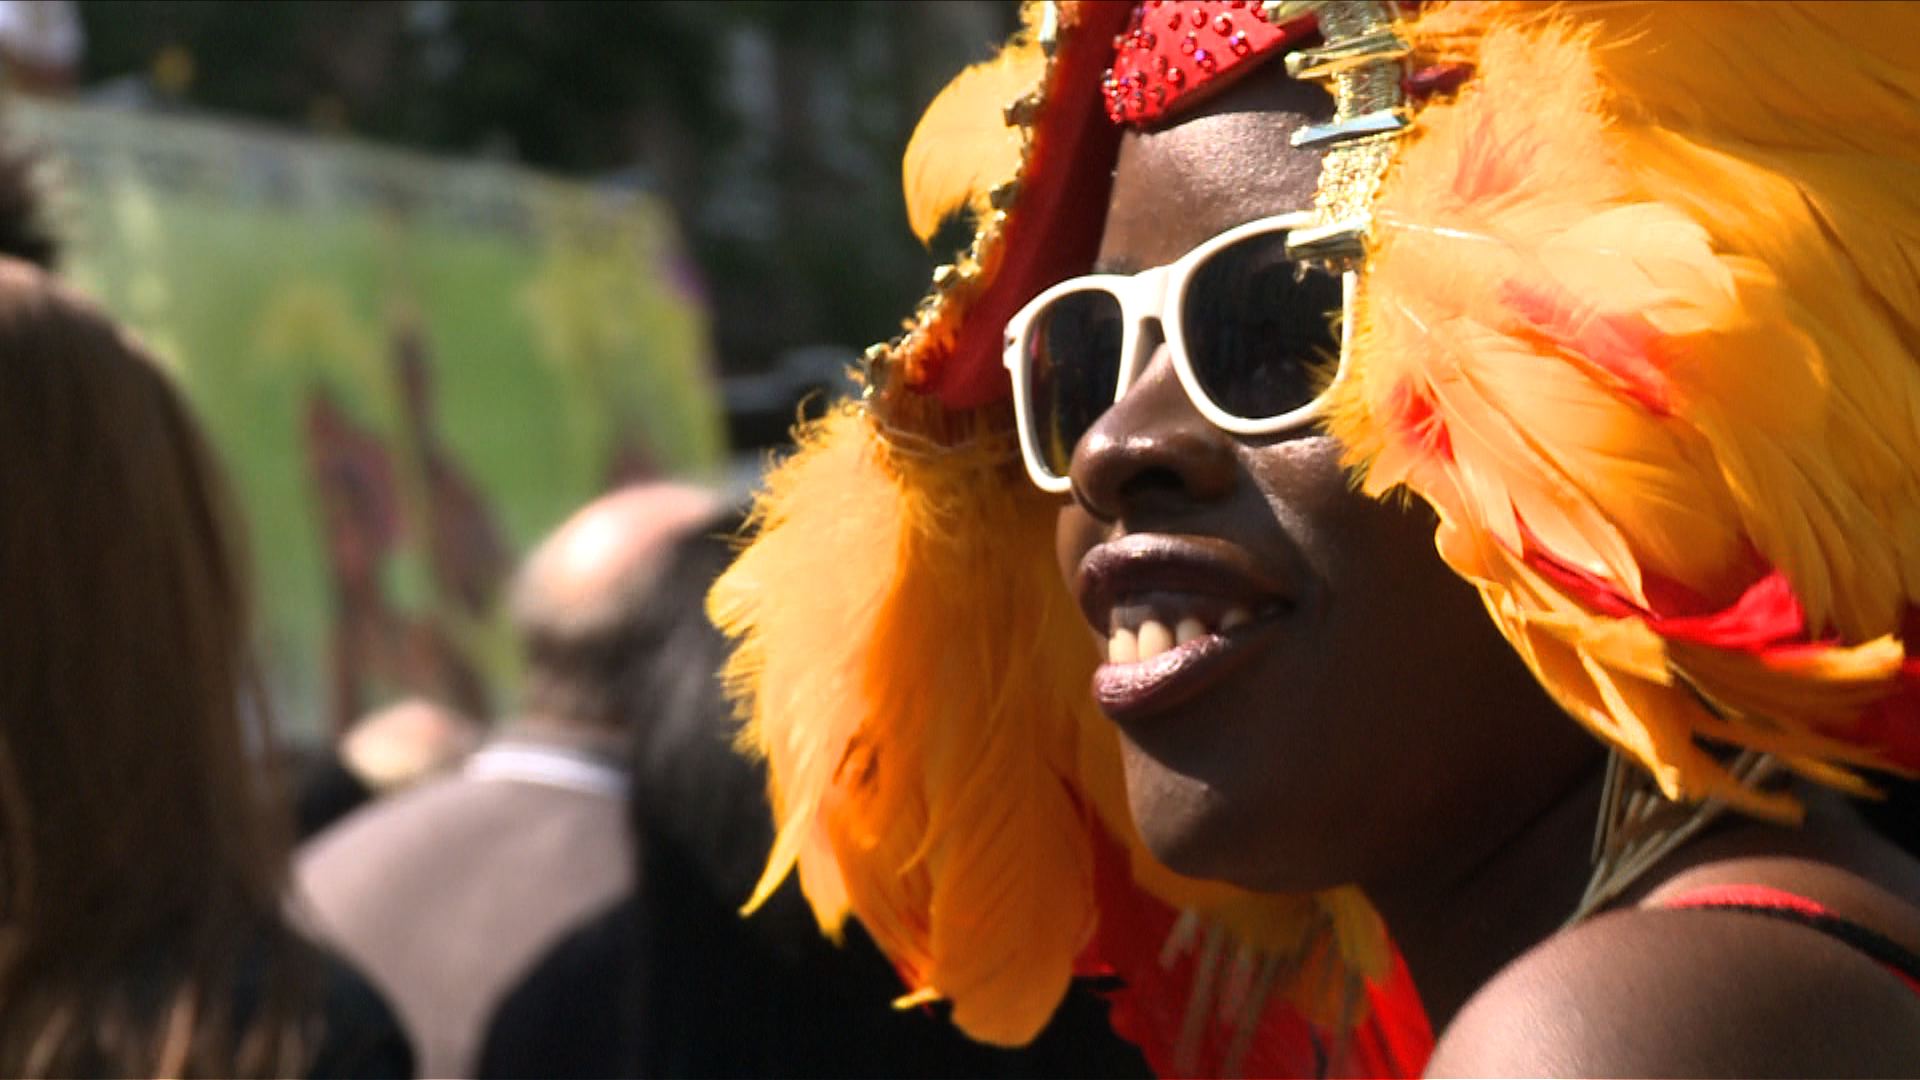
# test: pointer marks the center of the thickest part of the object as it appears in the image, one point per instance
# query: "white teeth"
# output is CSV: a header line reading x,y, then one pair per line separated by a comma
x,y
1155,639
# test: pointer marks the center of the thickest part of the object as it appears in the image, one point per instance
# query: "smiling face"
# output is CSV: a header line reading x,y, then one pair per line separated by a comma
x,y
1306,696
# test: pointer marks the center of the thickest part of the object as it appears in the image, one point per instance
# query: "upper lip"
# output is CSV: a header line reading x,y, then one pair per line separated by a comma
x,y
1156,562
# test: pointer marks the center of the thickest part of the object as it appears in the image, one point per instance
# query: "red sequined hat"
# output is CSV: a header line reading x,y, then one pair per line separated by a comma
x,y
1175,53
1180,51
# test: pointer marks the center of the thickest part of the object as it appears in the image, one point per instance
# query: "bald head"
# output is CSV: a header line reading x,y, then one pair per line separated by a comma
x,y
579,603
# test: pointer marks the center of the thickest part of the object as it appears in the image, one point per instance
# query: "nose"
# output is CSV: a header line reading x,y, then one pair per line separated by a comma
x,y
1152,452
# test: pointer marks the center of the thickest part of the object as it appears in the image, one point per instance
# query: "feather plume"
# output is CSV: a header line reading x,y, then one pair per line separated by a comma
x,y
1639,323
935,815
963,145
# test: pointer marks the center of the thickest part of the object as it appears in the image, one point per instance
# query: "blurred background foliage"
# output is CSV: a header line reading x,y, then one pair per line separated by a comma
x,y
773,128
417,364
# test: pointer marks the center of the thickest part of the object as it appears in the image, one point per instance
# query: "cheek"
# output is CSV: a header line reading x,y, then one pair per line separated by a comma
x,y
1400,584
1365,554
1313,504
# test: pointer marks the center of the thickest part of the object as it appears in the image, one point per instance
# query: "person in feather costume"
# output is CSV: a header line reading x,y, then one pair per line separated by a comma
x,y
1391,382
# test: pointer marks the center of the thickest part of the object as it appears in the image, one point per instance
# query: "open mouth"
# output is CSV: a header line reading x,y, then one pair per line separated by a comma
x,y
1178,616
1143,627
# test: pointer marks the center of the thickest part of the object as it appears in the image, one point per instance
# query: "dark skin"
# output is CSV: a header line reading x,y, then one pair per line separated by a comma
x,y
1383,733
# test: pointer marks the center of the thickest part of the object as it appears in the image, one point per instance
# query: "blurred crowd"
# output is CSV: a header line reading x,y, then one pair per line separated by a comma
x,y
551,892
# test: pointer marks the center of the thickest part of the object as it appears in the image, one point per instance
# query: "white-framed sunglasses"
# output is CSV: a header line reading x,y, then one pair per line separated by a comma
x,y
1252,334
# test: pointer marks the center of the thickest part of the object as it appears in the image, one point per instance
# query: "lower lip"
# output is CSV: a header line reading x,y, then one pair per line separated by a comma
x,y
1127,692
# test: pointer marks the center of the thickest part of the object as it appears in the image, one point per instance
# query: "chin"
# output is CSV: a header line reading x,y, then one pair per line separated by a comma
x,y
1196,830
1186,823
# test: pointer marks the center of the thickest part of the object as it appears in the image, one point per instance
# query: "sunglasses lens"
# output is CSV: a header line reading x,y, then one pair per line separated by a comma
x,y
1073,365
1260,334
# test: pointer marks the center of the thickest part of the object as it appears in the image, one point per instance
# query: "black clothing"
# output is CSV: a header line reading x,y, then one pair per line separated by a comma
x,y
324,790
576,1015
361,1039
689,988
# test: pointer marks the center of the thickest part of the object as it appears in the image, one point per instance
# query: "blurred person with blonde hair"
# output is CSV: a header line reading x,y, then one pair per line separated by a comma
x,y
406,743
141,873
387,751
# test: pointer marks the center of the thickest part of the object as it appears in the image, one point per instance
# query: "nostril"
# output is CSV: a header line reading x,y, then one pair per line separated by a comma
x,y
1152,480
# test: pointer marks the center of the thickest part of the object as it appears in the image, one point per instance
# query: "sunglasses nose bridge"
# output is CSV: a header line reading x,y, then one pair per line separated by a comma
x,y
1146,338
1147,330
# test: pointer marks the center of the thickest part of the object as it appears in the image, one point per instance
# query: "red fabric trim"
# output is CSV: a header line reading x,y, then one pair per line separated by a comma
x,y
1894,723
1767,622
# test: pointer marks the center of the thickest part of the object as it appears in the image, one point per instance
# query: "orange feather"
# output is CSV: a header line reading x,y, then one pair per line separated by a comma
x,y
1641,306
963,145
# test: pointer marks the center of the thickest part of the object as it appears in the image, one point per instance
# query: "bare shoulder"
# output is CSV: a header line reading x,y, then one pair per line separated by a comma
x,y
1663,992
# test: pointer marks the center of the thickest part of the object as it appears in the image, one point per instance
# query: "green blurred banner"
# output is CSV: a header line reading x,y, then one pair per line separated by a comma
x,y
413,369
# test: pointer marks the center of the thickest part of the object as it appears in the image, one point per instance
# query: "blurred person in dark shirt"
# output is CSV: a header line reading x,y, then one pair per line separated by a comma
x,y
140,871
448,892
673,981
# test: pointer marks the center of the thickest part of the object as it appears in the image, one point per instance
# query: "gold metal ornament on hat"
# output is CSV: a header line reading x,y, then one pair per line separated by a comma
x,y
1362,61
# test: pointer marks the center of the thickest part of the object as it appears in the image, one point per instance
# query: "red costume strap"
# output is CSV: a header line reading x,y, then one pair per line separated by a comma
x,y
1792,907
